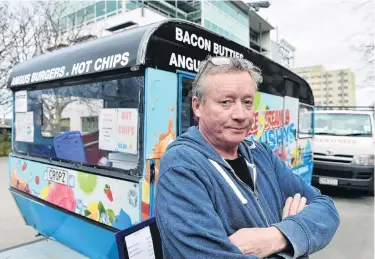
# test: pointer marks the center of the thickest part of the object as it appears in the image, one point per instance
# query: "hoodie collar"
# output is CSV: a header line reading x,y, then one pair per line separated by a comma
x,y
194,138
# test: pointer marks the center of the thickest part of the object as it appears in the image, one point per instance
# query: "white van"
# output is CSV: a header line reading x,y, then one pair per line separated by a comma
x,y
344,145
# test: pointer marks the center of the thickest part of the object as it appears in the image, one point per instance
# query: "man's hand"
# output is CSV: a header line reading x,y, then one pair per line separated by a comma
x,y
294,205
263,242
260,242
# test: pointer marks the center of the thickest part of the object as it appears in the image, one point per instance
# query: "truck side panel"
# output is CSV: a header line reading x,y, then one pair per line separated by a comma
x,y
276,120
160,129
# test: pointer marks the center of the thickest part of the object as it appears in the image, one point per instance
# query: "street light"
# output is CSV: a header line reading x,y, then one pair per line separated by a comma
x,y
259,4
256,6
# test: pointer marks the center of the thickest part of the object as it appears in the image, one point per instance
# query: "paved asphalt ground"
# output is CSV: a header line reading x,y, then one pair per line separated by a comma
x,y
354,239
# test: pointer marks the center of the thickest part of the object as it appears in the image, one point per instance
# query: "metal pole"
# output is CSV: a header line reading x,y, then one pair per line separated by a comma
x,y
277,34
260,38
249,17
143,11
175,5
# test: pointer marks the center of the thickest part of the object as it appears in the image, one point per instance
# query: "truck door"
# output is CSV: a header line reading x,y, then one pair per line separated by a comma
x,y
186,117
299,124
290,106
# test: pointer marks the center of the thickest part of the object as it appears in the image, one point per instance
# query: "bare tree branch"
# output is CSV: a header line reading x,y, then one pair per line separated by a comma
x,y
29,29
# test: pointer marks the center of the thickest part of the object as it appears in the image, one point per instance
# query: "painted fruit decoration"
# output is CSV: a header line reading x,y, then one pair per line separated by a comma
x,y
24,166
108,192
87,182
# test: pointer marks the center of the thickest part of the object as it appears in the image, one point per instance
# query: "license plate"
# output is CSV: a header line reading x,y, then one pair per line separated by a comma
x,y
328,181
57,176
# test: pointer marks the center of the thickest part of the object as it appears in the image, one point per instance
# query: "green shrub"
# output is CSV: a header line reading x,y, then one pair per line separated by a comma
x,y
5,143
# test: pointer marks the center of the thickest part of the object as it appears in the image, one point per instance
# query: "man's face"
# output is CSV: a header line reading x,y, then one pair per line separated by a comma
x,y
226,114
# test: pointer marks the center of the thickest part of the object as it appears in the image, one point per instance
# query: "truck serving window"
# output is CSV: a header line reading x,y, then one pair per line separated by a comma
x,y
93,123
305,119
188,118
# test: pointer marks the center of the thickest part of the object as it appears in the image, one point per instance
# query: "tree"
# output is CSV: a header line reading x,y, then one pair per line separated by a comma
x,y
365,45
30,29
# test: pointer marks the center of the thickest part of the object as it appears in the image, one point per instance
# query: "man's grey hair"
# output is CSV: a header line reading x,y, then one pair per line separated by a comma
x,y
234,65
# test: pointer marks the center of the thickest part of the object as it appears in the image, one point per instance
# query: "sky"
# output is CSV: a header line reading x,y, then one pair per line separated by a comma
x,y
325,32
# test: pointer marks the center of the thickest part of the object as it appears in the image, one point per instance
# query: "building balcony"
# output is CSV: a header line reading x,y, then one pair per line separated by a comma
x,y
187,6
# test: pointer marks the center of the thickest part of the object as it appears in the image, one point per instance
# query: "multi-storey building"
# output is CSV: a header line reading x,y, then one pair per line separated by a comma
x,y
283,53
330,87
232,19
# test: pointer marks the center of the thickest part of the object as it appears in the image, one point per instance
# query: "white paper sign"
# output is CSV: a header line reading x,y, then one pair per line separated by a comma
x,y
139,245
25,127
21,101
108,129
127,133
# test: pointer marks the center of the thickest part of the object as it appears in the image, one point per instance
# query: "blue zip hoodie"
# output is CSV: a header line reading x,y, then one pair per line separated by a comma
x,y
200,202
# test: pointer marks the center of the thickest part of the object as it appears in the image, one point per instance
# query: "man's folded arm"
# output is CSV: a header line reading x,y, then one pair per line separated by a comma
x,y
314,227
185,215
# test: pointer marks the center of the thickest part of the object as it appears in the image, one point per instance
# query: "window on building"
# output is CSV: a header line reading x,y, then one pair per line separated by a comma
x,y
71,19
81,16
213,27
345,94
100,8
207,24
111,6
89,124
63,23
220,31
131,5
340,94
254,36
65,125
90,13
119,4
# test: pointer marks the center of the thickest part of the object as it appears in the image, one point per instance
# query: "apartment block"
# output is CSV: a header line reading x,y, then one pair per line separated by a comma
x,y
330,87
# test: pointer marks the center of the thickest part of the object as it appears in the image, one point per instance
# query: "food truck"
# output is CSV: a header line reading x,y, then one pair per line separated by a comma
x,y
91,122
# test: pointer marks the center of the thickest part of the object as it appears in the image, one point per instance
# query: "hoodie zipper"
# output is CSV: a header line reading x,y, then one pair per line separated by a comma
x,y
255,195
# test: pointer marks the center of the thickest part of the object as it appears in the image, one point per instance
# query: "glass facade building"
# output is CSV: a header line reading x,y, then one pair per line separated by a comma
x,y
223,17
227,20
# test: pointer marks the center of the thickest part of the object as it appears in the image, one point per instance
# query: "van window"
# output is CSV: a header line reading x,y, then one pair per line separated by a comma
x,y
93,123
343,124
